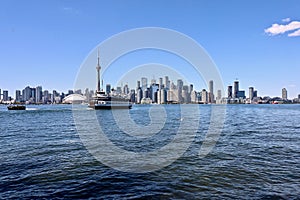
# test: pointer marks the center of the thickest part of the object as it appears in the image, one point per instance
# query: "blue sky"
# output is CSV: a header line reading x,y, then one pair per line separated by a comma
x,y
45,42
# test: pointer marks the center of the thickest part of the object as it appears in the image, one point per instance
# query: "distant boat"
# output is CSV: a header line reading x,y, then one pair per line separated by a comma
x,y
16,107
104,101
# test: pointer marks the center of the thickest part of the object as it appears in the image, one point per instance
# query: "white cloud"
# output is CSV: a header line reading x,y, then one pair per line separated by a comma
x,y
295,34
276,29
286,20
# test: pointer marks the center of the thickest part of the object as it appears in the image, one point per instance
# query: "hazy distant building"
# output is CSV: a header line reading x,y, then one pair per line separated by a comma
x,y
229,92
211,97
5,95
132,96
153,92
160,82
186,94
167,83
139,95
38,94
125,89
204,96
18,96
0,95
179,90
251,93
26,94
241,94
162,96
144,83
284,94
219,95
107,88
255,94
236,89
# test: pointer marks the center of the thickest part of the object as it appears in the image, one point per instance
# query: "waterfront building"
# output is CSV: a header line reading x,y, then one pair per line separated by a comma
x,y
144,83
0,95
284,94
118,90
38,94
194,97
236,89
160,82
251,93
255,94
138,85
179,90
204,96
46,96
229,92
139,95
162,96
241,94
185,94
125,89
299,96
70,92
153,92
146,93
18,96
5,95
211,98
108,88
191,88
26,94
132,96
167,83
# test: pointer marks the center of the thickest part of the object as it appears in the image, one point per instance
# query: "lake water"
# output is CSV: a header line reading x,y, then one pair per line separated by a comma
x,y
257,155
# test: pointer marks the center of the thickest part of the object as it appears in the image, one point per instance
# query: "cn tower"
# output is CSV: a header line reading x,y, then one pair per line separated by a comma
x,y
98,68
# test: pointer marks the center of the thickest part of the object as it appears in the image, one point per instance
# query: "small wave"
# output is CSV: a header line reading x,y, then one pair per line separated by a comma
x,y
31,108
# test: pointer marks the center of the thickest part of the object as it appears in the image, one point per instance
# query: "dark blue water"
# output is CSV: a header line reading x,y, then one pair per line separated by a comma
x,y
256,157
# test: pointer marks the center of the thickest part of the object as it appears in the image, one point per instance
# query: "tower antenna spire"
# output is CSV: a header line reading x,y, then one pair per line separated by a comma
x,y
98,68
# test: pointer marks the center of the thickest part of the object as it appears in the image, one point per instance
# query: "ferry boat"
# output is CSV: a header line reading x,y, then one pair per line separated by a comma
x,y
104,101
16,107
101,100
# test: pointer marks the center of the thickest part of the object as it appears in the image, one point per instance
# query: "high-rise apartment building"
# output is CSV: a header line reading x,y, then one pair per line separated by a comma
x,y
38,94
229,92
211,97
5,95
18,96
284,94
236,89
251,93
179,90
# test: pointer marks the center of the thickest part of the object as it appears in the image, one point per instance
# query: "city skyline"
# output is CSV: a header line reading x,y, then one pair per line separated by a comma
x,y
45,43
162,90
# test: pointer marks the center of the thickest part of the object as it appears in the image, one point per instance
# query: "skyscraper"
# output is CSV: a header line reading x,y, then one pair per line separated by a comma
x,y
179,90
0,95
108,88
167,83
5,95
18,95
39,94
204,96
229,91
160,82
219,95
251,93
236,89
284,94
144,83
211,92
